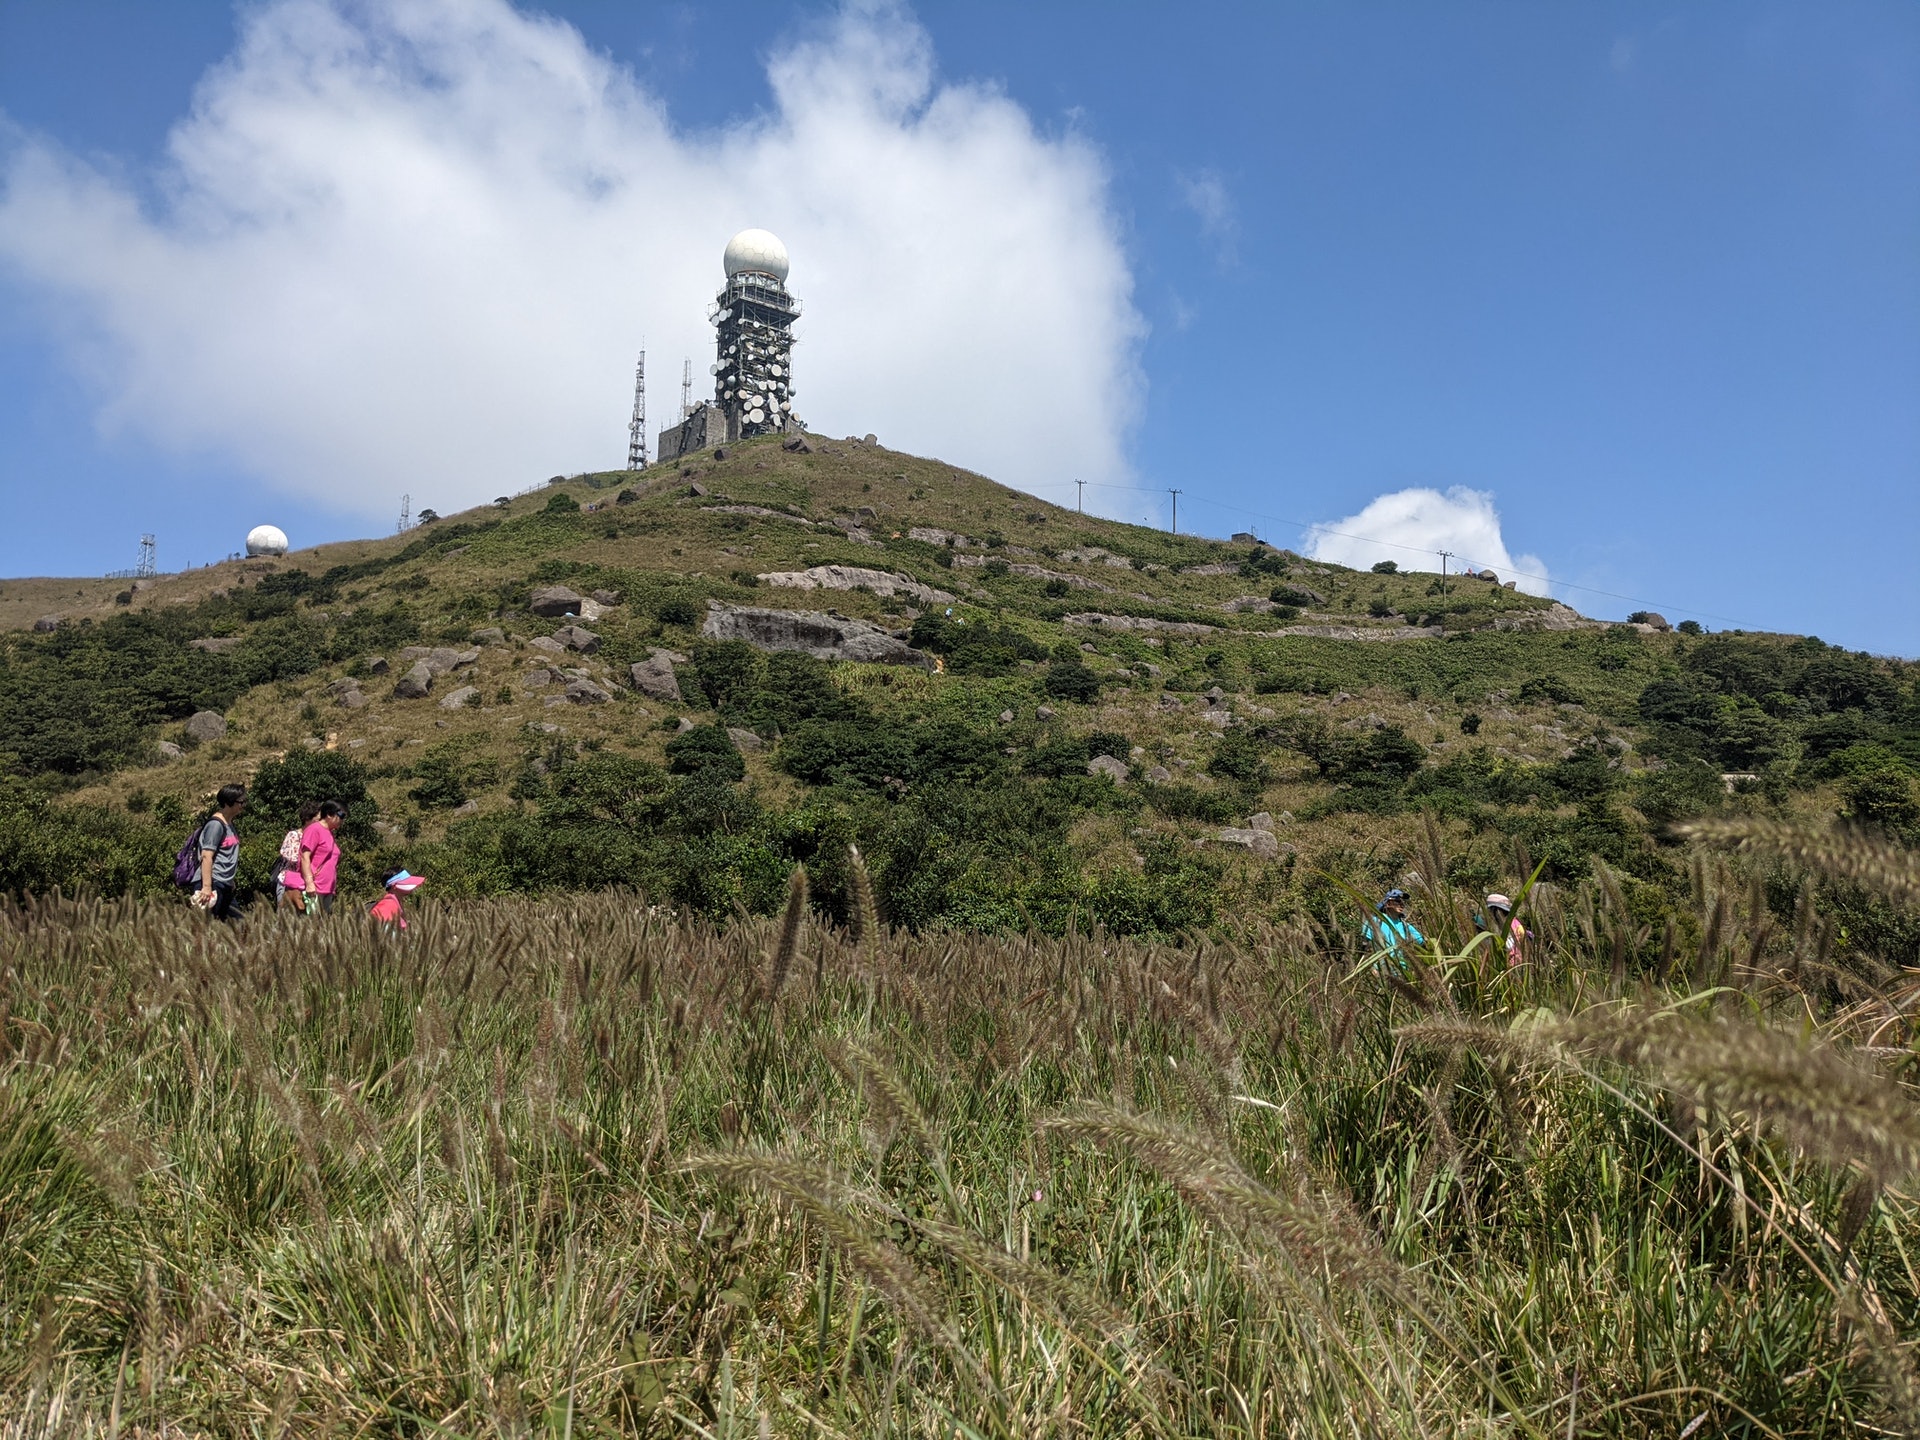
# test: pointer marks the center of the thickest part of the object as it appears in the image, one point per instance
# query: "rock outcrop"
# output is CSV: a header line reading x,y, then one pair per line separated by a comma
x,y
207,725
848,577
825,637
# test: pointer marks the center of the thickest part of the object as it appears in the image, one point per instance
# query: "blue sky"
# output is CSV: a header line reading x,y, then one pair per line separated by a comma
x,y
1647,275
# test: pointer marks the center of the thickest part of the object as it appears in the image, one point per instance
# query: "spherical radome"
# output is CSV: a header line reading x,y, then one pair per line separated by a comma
x,y
266,540
759,251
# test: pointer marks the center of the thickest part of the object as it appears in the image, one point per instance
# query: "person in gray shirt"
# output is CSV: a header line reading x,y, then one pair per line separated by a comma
x,y
220,853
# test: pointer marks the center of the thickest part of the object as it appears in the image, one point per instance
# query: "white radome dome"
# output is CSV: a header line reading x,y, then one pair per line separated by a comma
x,y
266,540
759,251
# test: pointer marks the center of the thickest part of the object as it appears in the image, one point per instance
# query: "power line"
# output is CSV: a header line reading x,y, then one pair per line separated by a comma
x,y
1318,529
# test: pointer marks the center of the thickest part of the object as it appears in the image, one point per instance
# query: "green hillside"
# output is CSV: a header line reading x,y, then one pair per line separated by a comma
x,y
1232,681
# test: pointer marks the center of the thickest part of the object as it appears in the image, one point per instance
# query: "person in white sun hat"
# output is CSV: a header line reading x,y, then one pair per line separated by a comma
x,y
1500,922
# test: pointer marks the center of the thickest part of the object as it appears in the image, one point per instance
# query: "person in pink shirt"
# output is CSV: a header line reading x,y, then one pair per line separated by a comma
x,y
319,859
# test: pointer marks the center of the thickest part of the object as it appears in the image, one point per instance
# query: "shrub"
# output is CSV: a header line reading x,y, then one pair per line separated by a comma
x,y
706,750
1688,627
726,670
1072,682
1470,723
561,503
676,610
1385,567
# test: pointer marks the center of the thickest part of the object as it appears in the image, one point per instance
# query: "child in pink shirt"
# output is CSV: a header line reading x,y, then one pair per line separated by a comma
x,y
387,908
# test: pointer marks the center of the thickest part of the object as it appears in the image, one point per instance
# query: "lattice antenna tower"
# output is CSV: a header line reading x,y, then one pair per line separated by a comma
x,y
406,514
686,387
145,569
637,431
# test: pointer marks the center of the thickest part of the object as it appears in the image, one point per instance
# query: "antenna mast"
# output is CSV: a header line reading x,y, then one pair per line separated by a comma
x,y
686,387
145,569
637,431
406,515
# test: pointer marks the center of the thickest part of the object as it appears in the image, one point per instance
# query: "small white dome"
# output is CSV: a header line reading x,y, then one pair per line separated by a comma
x,y
759,251
266,540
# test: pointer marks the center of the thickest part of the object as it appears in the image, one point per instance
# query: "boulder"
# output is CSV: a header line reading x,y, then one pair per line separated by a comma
x,y
352,699
377,665
492,635
1006,717
1490,577
745,740
167,751
454,699
1260,842
606,597
415,684
554,600
1654,619
467,807
217,644
1216,694
798,444
48,622
575,638
537,677
1159,775
1262,821
654,677
207,725
1170,702
440,659
1219,719
591,609
1106,765
1045,712
548,644
681,724
584,692
825,637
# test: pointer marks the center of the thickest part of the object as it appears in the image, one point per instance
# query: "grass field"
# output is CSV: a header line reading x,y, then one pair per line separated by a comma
x,y
588,1168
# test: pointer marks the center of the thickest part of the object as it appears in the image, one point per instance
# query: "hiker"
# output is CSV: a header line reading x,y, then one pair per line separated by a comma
x,y
1389,929
1499,921
290,896
387,908
220,854
319,859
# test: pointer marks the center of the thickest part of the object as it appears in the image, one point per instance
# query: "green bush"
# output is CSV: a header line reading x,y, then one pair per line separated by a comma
x,y
706,750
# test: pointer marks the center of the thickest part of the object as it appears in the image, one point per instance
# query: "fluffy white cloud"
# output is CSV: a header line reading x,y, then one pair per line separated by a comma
x,y
1411,527
414,246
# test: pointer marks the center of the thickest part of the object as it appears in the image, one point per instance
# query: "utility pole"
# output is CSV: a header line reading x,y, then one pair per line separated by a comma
x,y
1081,503
1176,510
1445,555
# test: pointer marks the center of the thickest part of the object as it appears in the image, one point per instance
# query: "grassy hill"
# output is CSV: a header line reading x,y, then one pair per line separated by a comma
x,y
1232,680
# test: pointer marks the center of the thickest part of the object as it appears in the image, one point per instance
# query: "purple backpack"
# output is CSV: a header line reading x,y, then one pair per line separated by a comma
x,y
186,865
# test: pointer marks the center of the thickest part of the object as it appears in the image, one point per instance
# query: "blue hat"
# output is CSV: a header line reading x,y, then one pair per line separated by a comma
x,y
1394,894
403,881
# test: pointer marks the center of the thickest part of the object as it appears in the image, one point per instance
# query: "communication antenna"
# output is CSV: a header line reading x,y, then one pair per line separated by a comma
x,y
406,515
1081,503
145,569
686,388
637,431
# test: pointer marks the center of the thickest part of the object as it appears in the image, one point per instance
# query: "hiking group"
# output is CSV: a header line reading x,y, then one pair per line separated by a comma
x,y
1393,935
305,873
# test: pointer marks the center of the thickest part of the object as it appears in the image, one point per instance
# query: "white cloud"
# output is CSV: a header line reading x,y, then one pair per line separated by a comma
x,y
414,246
1206,195
1411,527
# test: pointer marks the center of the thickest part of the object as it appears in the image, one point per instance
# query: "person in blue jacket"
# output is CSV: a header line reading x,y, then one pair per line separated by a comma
x,y
1389,928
